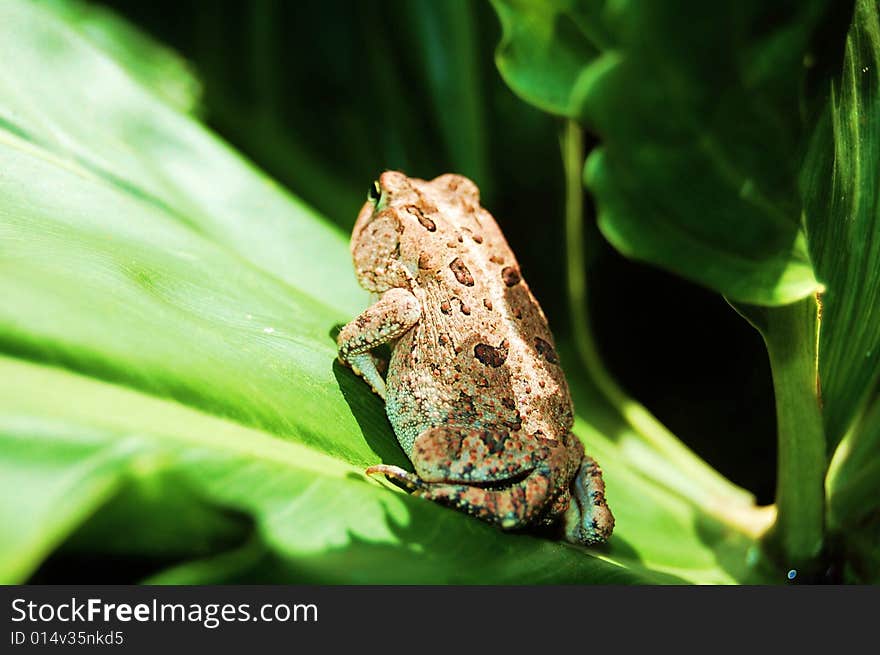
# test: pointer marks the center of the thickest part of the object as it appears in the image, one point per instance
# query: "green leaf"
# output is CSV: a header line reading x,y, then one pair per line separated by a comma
x,y
124,139
318,515
697,119
853,484
418,102
445,44
156,67
852,489
547,47
168,385
841,188
682,470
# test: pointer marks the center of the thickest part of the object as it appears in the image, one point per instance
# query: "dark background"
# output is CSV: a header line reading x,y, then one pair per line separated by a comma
x,y
325,95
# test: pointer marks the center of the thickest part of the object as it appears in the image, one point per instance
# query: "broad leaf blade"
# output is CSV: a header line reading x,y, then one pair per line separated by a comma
x,y
841,187
318,515
696,171
445,44
193,305
117,131
156,67
853,484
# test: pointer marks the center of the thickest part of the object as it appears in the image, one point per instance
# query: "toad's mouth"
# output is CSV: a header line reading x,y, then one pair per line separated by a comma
x,y
497,485
413,483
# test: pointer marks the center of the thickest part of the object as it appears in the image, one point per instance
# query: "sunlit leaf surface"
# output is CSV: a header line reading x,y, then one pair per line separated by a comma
x,y
168,390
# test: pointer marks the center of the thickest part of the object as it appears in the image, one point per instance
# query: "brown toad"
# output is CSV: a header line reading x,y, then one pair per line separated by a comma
x,y
474,389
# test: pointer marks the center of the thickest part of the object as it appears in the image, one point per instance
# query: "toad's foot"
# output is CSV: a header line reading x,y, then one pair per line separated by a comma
x,y
588,521
401,476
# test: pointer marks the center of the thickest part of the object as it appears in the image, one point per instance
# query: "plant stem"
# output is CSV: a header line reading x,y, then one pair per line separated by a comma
x,y
790,333
718,496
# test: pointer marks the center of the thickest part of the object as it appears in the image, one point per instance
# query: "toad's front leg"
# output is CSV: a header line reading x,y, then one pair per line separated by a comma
x,y
511,479
387,319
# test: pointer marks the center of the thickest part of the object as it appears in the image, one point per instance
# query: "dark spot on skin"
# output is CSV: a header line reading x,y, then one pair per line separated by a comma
x,y
518,314
546,350
495,259
446,307
461,272
487,304
453,446
442,340
460,240
478,238
508,402
489,355
424,261
451,244
466,403
510,275
516,423
464,309
494,441
426,222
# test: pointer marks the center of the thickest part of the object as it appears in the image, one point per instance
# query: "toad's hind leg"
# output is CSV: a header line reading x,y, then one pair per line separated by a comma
x,y
470,455
588,520
511,479
514,506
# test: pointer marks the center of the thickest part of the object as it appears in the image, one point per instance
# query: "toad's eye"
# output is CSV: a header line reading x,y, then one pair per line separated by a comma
x,y
374,193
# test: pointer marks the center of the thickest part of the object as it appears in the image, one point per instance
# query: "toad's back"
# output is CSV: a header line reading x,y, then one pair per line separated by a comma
x,y
482,354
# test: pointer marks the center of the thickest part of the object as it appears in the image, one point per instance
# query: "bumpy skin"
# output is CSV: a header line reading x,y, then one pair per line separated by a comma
x,y
474,389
